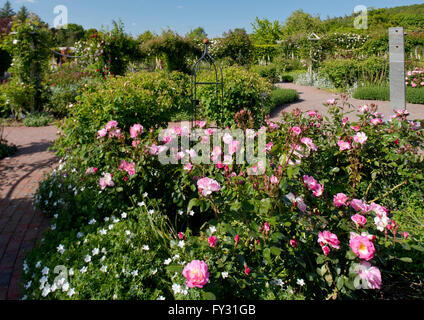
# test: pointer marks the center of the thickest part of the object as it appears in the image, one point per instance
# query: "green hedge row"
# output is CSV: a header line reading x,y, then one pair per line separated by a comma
x,y
382,93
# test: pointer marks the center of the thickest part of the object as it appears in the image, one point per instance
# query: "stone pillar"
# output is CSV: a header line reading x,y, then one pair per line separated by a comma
x,y
397,68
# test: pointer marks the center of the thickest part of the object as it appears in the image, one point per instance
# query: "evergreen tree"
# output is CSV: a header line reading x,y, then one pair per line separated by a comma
x,y
22,14
7,11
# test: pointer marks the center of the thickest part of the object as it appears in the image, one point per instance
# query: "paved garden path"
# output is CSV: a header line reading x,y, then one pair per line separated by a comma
x,y
312,98
20,224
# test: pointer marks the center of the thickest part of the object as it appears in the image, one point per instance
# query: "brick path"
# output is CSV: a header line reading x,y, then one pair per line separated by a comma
x,y
20,225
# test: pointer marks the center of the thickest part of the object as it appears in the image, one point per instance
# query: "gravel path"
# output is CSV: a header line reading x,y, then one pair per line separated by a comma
x,y
20,225
312,98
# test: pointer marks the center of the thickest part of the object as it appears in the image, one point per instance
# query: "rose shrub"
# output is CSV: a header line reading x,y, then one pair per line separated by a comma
x,y
315,224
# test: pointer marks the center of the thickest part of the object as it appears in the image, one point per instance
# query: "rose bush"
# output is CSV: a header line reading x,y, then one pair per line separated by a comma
x,y
314,222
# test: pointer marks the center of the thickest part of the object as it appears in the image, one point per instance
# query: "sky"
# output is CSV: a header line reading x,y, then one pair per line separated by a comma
x,y
216,16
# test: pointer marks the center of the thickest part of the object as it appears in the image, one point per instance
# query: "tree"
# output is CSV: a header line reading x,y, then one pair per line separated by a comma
x,y
266,32
235,46
67,37
7,11
22,14
197,35
146,36
301,22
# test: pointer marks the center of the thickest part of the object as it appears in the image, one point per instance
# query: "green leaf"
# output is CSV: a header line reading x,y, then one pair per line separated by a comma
x,y
406,259
208,295
276,251
193,202
339,283
320,259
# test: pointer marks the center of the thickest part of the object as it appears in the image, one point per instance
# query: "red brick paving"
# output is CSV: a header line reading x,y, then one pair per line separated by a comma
x,y
20,224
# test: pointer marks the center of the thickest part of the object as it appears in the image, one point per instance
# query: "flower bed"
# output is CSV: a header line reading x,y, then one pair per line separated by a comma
x,y
309,220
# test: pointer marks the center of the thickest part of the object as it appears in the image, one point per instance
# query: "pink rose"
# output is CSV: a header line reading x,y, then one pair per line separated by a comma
x,y
128,167
216,153
362,247
326,250
106,181
91,171
355,128
234,145
200,124
360,138
207,186
273,179
236,239
328,238
136,130
266,227
376,121
196,274
101,133
312,113
293,243
309,143
154,149
343,145
316,188
331,101
246,270
370,274
358,205
212,241
340,199
188,167
296,130
359,220
180,235
111,124
268,147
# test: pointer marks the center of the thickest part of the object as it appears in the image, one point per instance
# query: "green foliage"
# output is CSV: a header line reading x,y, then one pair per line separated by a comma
x,y
347,72
20,98
197,35
6,150
242,89
266,32
149,98
235,46
176,50
67,37
382,93
7,11
280,97
268,72
37,119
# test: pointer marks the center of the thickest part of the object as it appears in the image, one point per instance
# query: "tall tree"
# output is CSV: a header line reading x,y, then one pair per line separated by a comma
x,y
22,14
266,32
197,34
7,11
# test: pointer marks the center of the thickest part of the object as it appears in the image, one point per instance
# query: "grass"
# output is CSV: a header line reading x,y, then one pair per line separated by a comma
x,y
382,93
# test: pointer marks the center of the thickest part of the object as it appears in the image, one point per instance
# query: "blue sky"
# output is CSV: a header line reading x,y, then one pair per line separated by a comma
x,y
216,16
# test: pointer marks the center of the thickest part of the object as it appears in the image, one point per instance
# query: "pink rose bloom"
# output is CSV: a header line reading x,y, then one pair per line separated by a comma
x,y
296,130
128,167
360,138
331,101
297,201
345,120
356,128
135,143
207,186
180,155
358,205
413,84
234,145
237,239
209,131
246,270
154,149
268,147
312,113
196,274
405,235
177,131
309,143
266,227
422,83
340,199
200,124
316,188
273,179
101,133
136,130
212,241
115,133
293,243
343,145
362,247
91,171
326,250
364,108
376,121
188,167
359,220
106,181
370,274
180,235
328,238
111,124
273,126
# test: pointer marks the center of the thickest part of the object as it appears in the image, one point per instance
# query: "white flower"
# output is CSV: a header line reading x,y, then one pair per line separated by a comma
x,y
83,270
103,232
212,229
154,271
55,216
134,273
123,215
71,272
87,258
79,235
38,264
300,282
115,220
65,287
146,247
224,275
46,290
103,269
145,195
15,41
110,226
151,211
71,292
92,221
161,298
176,288
45,271
43,280
141,204
107,219
53,227
167,261
180,212
95,251
61,249
28,284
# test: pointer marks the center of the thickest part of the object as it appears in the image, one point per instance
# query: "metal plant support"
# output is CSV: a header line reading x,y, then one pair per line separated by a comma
x,y
219,83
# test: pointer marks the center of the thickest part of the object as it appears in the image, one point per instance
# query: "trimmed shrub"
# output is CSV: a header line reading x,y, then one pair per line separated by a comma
x,y
38,119
382,93
280,97
242,89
